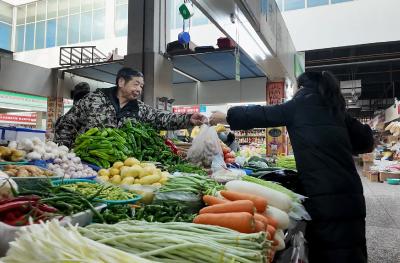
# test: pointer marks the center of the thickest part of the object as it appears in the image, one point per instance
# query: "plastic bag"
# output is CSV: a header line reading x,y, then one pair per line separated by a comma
x,y
205,147
226,175
296,246
192,201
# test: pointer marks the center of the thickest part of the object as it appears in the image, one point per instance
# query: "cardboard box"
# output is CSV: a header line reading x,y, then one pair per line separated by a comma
x,y
383,176
373,176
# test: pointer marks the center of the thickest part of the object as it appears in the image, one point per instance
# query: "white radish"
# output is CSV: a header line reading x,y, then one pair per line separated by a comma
x,y
280,216
274,198
279,232
281,243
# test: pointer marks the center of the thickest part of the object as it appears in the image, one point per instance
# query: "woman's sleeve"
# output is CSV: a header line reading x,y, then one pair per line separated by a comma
x,y
249,117
361,136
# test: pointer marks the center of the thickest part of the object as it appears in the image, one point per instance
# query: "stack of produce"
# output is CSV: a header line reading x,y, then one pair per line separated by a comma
x,y
26,171
39,150
164,211
181,242
195,184
8,154
98,191
17,211
67,202
245,213
287,162
50,242
103,147
71,166
229,156
133,172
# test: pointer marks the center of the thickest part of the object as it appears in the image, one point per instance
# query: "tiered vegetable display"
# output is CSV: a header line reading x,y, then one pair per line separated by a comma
x,y
133,172
181,242
105,146
50,242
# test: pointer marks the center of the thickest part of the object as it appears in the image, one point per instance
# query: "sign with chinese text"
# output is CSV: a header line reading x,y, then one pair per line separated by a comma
x,y
12,100
275,92
186,109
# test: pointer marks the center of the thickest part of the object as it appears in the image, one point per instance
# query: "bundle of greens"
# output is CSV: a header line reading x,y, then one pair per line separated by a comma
x,y
181,242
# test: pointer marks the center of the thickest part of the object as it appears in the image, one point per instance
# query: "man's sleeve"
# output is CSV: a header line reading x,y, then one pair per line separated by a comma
x,y
163,120
361,136
68,125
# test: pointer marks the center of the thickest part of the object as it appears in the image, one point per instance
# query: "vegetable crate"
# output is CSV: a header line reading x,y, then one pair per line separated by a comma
x,y
373,176
383,176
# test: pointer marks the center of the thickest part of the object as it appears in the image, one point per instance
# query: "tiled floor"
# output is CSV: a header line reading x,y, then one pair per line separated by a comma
x,y
383,221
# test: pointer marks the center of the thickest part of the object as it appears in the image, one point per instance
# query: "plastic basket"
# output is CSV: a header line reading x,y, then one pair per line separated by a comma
x,y
108,202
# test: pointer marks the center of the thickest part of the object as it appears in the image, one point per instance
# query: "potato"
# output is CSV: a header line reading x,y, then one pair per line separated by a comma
x,y
23,173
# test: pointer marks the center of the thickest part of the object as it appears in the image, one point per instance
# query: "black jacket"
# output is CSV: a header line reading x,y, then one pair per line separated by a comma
x,y
323,144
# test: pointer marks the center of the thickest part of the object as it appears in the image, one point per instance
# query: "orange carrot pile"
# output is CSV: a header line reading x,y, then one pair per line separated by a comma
x,y
259,203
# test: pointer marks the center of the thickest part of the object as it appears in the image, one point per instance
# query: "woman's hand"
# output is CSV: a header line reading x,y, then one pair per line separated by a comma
x,y
218,118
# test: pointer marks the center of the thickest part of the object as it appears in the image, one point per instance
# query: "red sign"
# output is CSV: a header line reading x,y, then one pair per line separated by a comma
x,y
186,109
18,118
275,92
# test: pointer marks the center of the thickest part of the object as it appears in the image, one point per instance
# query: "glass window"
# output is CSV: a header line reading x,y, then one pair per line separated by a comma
x,y
63,8
121,2
62,33
5,36
199,18
6,12
312,3
41,10
339,1
121,20
19,38
51,33
52,8
294,4
86,26
21,14
29,36
98,24
30,13
97,4
73,29
39,38
86,5
74,6
280,4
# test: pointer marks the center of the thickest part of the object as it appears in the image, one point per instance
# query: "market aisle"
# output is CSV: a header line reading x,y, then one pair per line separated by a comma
x,y
383,221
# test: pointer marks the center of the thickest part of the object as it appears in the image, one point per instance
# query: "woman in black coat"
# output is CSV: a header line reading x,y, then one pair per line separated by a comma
x,y
324,138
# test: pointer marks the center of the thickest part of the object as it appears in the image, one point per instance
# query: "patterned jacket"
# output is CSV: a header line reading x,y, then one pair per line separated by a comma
x,y
101,109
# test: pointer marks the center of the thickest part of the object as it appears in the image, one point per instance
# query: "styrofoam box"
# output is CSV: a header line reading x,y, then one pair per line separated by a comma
x,y
9,233
23,133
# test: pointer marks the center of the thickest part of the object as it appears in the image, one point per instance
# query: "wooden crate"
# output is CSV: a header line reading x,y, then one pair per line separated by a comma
x,y
383,176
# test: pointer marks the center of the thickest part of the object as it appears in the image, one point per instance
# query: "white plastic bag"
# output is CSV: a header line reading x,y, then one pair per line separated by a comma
x,y
205,147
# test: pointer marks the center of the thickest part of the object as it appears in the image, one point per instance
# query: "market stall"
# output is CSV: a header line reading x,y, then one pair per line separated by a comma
x,y
132,198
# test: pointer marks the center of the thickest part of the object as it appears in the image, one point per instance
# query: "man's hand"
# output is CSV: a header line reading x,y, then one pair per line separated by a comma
x,y
218,118
198,119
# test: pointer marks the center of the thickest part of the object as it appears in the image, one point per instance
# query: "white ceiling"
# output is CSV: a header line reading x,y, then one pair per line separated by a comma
x,y
18,2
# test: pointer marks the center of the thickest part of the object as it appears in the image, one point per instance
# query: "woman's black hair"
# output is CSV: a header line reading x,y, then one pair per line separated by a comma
x,y
328,87
127,74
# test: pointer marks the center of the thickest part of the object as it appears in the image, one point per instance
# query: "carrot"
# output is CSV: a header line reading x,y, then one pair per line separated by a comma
x,y
262,218
242,222
259,202
230,207
272,221
271,230
260,226
212,200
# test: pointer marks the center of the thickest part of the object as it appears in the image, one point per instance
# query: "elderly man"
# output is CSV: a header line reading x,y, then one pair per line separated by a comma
x,y
113,106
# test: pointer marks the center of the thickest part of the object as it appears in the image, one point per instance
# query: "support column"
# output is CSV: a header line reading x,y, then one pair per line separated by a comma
x,y
147,26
